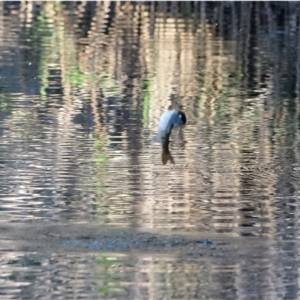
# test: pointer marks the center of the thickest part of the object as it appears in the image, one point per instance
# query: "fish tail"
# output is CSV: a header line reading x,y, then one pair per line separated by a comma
x,y
167,156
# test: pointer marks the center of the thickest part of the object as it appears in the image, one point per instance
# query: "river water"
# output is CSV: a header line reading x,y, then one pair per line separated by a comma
x,y
88,210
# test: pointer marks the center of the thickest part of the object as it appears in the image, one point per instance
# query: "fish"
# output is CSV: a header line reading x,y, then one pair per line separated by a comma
x,y
167,122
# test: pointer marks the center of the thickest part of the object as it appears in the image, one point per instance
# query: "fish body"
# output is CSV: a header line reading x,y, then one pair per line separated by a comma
x,y
167,121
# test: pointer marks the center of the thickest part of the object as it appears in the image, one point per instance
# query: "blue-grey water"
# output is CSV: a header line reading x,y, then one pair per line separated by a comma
x,y
88,209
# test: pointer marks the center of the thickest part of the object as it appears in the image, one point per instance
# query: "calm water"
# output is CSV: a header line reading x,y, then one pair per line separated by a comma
x,y
87,208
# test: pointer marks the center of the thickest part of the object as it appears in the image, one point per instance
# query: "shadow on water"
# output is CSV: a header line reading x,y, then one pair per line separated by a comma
x,y
91,209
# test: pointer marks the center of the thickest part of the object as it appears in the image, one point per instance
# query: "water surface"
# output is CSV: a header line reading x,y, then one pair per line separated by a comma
x,y
87,208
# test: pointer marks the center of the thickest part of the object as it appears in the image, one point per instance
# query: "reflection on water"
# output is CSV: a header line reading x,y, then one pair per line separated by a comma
x,y
122,276
82,87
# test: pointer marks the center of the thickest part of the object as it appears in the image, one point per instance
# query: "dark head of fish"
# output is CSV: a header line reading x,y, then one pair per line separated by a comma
x,y
181,118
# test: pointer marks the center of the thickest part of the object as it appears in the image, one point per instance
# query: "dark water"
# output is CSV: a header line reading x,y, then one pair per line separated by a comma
x,y
87,208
